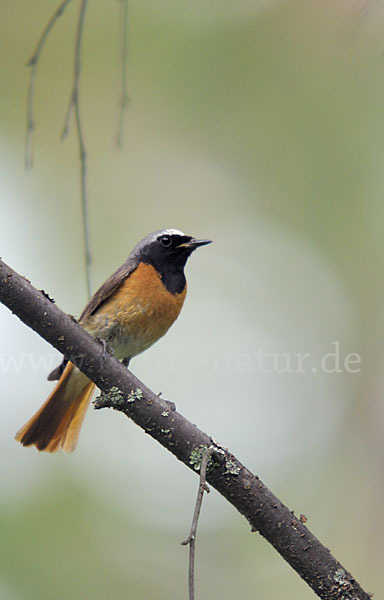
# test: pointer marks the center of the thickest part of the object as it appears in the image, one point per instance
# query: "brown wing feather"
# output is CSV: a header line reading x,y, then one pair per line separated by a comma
x,y
107,289
102,294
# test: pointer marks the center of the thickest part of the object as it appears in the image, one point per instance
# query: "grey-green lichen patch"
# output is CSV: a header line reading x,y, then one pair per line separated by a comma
x,y
231,468
344,583
165,413
340,577
136,394
165,430
113,397
114,393
196,457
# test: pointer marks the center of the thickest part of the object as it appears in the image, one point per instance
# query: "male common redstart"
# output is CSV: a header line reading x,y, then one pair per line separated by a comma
x,y
130,312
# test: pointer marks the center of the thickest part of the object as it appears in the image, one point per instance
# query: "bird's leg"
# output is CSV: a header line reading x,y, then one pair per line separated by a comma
x,y
107,349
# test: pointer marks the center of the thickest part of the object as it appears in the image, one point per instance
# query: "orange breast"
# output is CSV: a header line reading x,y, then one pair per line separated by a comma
x,y
137,314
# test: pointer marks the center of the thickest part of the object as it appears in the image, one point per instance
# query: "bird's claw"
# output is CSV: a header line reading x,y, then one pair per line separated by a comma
x,y
107,349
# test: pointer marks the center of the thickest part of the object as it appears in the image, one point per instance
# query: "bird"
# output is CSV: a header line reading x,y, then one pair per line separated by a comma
x,y
135,307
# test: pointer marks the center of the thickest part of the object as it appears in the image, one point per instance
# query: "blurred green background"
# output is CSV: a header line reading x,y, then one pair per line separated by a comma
x,y
261,126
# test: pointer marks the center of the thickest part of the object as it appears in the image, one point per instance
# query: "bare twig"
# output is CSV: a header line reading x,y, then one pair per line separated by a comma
x,y
364,8
124,97
33,63
126,393
74,106
357,13
191,539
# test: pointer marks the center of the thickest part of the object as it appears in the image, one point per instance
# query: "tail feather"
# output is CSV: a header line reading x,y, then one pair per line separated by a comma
x,y
58,422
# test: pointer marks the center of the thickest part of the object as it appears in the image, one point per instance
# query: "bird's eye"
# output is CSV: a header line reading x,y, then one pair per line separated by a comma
x,y
165,241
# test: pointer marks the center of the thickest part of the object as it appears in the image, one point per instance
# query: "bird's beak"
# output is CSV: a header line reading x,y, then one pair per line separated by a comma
x,y
193,243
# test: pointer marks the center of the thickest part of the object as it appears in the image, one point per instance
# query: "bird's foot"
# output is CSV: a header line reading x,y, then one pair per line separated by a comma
x,y
107,349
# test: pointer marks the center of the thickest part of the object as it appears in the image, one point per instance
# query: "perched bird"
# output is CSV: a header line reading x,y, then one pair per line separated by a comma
x,y
130,312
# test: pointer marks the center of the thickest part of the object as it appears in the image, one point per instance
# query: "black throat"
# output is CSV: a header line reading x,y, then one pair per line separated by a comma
x,y
172,276
169,263
173,279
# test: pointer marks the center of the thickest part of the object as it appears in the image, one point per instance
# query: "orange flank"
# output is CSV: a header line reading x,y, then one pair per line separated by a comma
x,y
139,312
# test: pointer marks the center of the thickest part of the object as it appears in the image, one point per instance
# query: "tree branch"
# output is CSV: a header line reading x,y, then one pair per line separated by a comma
x,y
33,63
122,391
74,105
124,97
191,539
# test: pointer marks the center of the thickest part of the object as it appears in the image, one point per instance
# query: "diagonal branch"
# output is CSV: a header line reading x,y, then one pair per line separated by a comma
x,y
122,391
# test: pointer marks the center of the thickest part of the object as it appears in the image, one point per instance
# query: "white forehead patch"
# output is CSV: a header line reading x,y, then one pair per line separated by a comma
x,y
153,237
171,232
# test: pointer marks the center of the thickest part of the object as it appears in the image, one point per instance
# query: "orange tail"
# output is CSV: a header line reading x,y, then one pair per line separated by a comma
x,y
58,422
